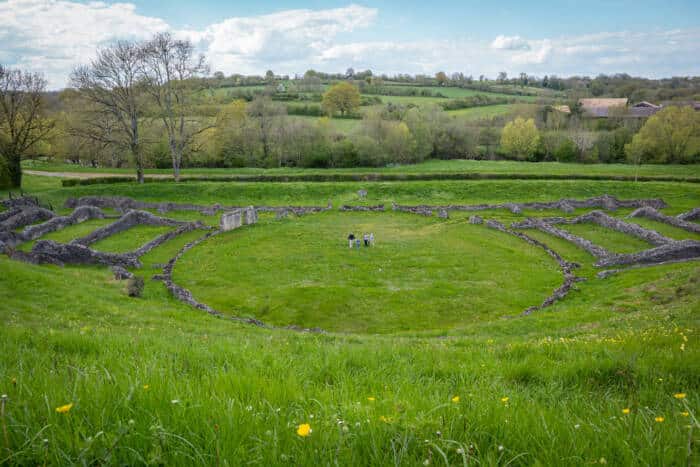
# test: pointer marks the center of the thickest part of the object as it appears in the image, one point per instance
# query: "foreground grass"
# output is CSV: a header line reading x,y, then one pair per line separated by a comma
x,y
153,381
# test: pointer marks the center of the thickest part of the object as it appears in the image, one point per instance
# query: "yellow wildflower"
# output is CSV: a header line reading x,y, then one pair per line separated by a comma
x,y
384,419
146,387
304,430
64,408
455,399
505,399
684,414
625,411
371,399
680,395
659,419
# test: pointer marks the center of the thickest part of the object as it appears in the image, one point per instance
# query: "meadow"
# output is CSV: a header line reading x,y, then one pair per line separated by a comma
x,y
424,362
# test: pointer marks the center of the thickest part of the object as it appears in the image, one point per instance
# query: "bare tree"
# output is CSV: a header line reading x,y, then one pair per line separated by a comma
x,y
169,68
112,82
22,123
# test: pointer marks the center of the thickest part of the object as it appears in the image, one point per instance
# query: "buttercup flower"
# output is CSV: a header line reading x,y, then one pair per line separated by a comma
x,y
64,408
625,411
659,419
371,399
146,387
304,430
455,399
680,395
505,399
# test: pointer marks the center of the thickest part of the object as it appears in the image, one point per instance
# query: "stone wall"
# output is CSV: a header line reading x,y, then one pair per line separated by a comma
x,y
156,242
675,251
566,267
127,221
651,213
26,216
602,219
607,202
48,251
692,215
124,204
592,248
33,232
377,208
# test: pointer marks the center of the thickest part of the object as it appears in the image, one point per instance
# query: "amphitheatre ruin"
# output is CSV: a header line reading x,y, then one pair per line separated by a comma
x,y
24,220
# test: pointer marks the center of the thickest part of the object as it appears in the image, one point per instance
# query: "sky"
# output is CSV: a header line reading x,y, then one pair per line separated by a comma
x,y
654,38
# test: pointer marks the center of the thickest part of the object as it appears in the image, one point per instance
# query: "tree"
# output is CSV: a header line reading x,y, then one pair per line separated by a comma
x,y
441,78
665,137
520,138
266,115
342,97
113,83
22,120
169,68
269,76
502,77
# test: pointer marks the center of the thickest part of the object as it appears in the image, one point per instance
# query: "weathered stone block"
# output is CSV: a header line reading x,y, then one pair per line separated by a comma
x,y
250,215
231,220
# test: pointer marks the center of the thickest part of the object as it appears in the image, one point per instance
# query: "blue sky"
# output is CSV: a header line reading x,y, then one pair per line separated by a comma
x,y
648,38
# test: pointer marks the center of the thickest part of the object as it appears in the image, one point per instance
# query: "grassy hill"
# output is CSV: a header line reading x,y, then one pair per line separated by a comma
x,y
610,374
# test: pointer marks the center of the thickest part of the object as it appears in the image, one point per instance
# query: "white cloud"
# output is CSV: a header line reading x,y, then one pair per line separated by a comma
x,y
53,36
510,43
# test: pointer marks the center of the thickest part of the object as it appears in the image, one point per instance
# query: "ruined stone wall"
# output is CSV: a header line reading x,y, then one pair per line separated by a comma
x,y
607,202
675,251
602,219
156,242
692,215
127,221
566,267
24,217
377,208
48,251
592,248
651,213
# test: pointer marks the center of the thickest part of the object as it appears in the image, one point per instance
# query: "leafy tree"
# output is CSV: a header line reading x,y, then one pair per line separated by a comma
x,y
441,78
22,122
520,138
665,137
341,97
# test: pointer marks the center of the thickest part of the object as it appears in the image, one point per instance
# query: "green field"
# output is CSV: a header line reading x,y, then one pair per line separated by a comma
x,y
422,274
431,166
425,361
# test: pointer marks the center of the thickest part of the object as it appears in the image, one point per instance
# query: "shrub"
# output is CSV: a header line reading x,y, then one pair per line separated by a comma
x,y
134,287
566,151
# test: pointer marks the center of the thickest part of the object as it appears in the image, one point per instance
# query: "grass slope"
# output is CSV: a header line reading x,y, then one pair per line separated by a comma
x,y
153,381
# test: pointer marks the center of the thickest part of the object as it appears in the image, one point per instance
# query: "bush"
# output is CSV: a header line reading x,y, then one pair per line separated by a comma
x,y
134,287
566,151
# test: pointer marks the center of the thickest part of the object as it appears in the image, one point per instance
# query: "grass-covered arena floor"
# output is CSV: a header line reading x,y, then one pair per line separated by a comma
x,y
424,362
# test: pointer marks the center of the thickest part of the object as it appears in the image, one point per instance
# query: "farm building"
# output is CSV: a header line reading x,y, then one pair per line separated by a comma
x,y
603,108
643,109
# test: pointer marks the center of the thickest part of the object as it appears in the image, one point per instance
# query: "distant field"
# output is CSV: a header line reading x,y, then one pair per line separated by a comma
x,y
476,113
